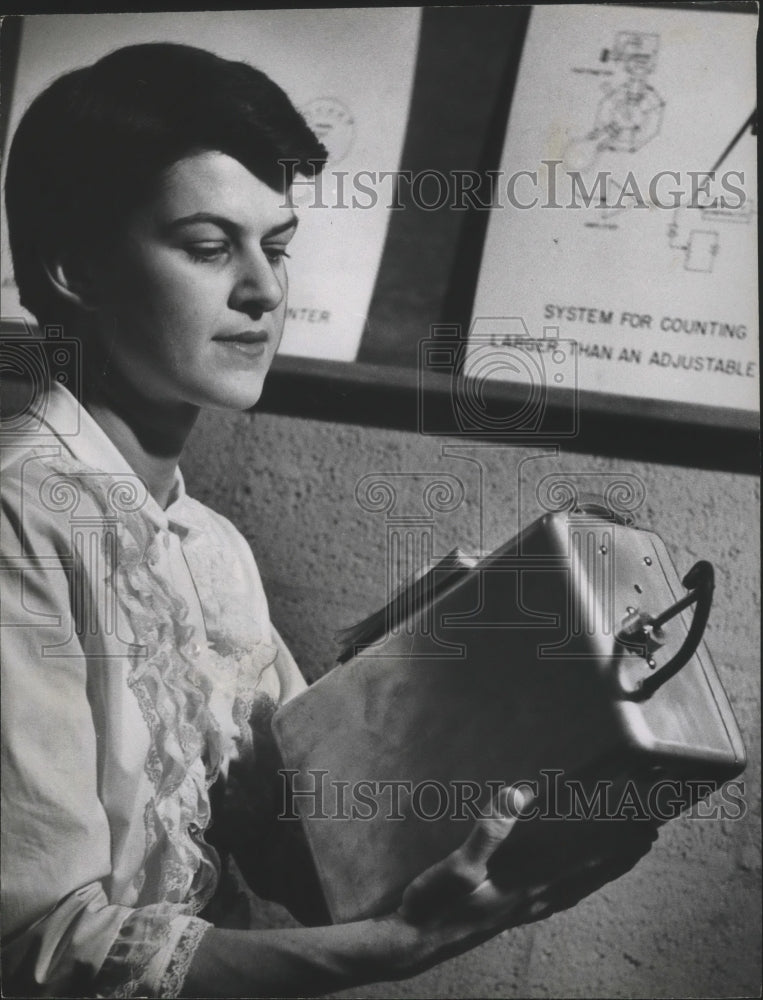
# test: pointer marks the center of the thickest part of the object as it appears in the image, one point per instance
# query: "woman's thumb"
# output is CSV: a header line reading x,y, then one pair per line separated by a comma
x,y
495,825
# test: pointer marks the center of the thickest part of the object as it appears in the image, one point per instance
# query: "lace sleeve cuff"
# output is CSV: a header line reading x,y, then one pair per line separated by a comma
x,y
152,953
177,968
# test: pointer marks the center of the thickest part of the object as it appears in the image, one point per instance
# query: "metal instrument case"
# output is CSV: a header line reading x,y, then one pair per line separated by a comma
x,y
516,672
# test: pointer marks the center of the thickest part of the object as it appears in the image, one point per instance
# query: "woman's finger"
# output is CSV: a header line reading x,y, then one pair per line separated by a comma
x,y
491,830
465,869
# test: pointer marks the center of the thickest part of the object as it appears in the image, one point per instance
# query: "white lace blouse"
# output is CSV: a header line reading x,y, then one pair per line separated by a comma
x,y
135,643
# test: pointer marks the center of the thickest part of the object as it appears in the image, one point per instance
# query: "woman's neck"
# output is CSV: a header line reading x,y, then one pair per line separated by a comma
x,y
149,435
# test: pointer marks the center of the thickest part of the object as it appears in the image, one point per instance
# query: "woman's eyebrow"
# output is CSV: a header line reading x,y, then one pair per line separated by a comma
x,y
188,220
228,224
291,223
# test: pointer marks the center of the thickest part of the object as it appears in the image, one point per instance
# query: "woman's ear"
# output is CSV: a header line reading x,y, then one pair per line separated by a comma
x,y
74,279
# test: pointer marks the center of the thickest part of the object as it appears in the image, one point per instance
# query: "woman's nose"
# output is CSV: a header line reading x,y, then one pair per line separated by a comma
x,y
258,288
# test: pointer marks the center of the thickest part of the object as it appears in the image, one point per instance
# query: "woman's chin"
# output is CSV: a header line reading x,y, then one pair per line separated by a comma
x,y
239,397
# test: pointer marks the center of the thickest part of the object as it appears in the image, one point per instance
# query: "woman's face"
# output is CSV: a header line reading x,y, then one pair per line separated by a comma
x,y
190,303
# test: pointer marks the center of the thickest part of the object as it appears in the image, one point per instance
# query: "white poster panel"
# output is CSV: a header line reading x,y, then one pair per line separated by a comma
x,y
349,71
607,232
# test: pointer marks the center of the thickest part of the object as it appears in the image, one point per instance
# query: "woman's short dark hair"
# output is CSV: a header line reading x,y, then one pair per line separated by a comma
x,y
90,146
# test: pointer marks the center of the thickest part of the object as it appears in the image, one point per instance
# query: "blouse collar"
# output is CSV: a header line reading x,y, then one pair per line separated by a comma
x,y
86,441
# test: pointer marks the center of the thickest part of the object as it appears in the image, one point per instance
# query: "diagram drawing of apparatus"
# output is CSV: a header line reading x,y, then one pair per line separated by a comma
x,y
689,230
629,115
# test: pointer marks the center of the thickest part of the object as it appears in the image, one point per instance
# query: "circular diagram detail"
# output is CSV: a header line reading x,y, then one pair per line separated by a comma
x,y
333,123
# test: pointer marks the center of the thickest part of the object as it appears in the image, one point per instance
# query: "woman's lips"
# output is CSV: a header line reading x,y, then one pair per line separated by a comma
x,y
252,343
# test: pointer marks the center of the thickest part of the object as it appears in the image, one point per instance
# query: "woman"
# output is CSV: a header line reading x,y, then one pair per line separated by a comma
x,y
149,215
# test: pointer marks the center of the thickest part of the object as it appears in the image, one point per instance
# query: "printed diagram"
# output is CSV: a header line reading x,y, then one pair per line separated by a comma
x,y
701,246
629,115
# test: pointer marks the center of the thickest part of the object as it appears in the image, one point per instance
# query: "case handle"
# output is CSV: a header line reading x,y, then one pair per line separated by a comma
x,y
700,581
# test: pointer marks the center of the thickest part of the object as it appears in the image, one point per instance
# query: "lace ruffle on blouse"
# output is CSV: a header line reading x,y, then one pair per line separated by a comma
x,y
196,695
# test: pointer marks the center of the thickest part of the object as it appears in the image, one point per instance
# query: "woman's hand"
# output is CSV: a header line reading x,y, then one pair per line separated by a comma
x,y
454,905
448,909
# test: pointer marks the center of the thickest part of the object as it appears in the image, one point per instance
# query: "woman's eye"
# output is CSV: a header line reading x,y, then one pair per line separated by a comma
x,y
206,252
275,254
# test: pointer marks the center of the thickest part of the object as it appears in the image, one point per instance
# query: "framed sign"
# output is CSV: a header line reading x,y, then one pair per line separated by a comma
x,y
357,106
429,118
624,222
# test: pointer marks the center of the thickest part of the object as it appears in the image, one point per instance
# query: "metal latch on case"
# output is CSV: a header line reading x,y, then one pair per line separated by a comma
x,y
644,631
639,629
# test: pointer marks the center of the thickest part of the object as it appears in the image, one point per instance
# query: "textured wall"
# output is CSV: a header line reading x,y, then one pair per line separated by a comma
x,y
686,921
